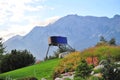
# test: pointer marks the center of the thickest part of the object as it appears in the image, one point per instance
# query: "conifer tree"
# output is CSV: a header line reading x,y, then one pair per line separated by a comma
x,y
112,41
1,48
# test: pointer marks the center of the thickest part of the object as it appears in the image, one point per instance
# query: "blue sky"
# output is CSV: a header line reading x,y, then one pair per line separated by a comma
x,y
20,16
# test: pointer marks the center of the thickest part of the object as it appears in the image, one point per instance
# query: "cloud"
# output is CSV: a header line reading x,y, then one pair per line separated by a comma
x,y
15,10
49,20
19,17
17,29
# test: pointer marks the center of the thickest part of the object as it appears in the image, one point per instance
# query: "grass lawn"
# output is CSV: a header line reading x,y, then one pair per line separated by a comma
x,y
42,70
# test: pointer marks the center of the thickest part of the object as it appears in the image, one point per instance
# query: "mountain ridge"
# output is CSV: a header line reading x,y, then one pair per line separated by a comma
x,y
81,32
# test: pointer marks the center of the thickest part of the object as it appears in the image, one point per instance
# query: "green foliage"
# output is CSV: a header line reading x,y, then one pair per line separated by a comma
x,y
67,79
95,78
102,39
69,63
42,70
72,60
28,78
16,59
103,52
97,71
83,70
110,71
104,42
2,50
80,78
88,78
112,41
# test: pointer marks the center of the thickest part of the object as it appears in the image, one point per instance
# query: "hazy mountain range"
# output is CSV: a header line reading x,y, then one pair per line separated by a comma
x,y
81,31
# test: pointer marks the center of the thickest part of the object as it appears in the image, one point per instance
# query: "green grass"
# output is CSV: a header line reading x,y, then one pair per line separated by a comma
x,y
42,70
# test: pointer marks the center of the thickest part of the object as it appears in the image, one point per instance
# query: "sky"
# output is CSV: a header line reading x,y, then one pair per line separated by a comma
x,y
18,17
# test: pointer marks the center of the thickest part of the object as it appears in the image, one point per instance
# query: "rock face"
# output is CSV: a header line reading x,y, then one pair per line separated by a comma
x,y
81,31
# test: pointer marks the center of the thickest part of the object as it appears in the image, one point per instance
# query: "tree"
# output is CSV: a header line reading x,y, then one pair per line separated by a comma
x,y
16,59
112,41
102,39
104,42
2,49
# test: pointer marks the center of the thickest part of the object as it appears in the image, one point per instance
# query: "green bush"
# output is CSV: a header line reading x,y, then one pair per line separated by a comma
x,y
67,79
103,52
16,59
110,71
83,70
97,71
79,78
69,63
95,78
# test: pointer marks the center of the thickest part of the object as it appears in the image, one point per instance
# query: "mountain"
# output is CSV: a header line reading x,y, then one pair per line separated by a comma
x,y
81,31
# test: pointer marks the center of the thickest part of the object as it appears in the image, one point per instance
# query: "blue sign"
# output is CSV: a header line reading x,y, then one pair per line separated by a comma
x,y
55,40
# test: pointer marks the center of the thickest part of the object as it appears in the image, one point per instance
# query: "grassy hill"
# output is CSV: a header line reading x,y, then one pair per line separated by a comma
x,y
42,70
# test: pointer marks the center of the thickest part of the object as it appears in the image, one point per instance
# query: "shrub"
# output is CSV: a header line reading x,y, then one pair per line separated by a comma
x,y
67,79
79,78
103,52
16,59
97,70
83,70
95,78
69,63
110,71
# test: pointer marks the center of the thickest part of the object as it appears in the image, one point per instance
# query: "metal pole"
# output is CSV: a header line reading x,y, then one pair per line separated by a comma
x,y
47,52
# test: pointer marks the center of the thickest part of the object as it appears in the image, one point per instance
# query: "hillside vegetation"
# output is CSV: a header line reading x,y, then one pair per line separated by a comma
x,y
74,61
71,62
42,70
105,53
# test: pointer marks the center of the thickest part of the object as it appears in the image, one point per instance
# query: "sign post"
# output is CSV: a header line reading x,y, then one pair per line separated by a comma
x,y
58,41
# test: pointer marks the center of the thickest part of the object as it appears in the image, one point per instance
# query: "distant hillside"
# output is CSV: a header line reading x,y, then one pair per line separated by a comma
x,y
81,32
